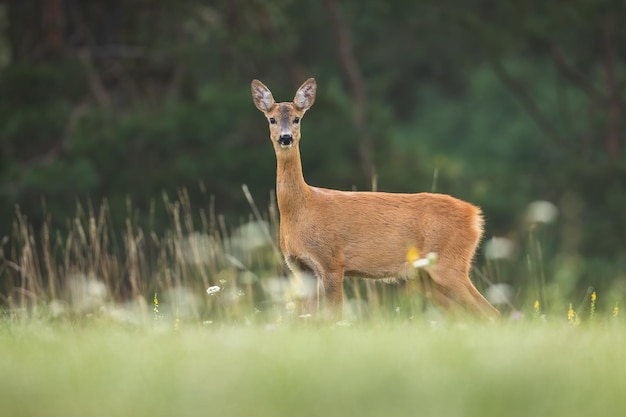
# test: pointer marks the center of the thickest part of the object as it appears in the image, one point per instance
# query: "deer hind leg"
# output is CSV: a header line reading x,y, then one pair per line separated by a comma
x,y
433,293
453,287
486,307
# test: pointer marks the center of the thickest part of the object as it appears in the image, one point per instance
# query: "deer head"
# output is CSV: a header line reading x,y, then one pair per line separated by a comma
x,y
284,118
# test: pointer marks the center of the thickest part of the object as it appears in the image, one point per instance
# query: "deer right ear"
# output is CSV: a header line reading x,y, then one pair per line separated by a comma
x,y
262,96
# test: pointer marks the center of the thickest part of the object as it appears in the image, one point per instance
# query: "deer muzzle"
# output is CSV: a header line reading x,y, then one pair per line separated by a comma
x,y
285,141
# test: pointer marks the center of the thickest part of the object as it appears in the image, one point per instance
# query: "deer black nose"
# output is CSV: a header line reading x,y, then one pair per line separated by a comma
x,y
285,140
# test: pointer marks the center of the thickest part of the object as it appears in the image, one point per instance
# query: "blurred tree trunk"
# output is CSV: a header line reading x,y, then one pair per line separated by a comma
x,y
52,27
13,19
348,61
614,105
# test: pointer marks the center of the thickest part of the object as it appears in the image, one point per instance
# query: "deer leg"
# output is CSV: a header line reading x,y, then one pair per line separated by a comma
x,y
430,290
333,291
485,306
305,281
310,294
455,287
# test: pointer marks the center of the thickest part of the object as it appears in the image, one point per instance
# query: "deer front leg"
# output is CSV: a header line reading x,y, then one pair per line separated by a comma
x,y
333,292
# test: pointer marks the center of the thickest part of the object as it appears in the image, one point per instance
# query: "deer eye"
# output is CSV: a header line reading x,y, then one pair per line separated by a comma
x,y
272,121
296,120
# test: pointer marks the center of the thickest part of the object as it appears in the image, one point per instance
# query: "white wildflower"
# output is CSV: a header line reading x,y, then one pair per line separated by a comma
x,y
213,290
499,248
541,212
429,260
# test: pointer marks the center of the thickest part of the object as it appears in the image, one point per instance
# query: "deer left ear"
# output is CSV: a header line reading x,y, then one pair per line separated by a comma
x,y
305,96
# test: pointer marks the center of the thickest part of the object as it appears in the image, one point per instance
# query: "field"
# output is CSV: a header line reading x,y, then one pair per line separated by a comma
x,y
453,369
202,320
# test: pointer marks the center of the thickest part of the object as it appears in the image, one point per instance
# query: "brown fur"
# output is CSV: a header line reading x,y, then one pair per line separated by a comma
x,y
367,234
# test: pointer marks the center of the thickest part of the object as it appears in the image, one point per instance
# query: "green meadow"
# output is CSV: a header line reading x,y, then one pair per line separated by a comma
x,y
367,369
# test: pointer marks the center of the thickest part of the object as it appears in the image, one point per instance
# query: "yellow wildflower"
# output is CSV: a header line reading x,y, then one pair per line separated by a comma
x,y
592,307
155,302
412,255
570,314
537,312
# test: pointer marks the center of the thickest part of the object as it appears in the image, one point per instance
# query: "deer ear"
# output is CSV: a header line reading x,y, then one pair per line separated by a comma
x,y
262,96
305,96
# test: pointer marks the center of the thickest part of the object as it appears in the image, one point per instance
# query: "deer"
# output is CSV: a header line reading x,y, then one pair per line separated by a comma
x,y
332,234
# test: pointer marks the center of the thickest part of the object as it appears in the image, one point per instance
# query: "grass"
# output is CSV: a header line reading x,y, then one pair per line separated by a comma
x,y
97,322
365,370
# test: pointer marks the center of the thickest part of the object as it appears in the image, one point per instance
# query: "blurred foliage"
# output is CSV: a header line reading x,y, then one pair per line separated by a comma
x,y
497,103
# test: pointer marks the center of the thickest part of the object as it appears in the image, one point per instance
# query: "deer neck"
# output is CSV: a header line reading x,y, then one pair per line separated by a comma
x,y
291,189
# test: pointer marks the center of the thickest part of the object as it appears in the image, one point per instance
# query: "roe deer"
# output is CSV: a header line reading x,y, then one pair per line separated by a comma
x,y
334,233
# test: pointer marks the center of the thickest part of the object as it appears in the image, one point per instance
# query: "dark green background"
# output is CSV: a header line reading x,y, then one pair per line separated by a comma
x,y
504,102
